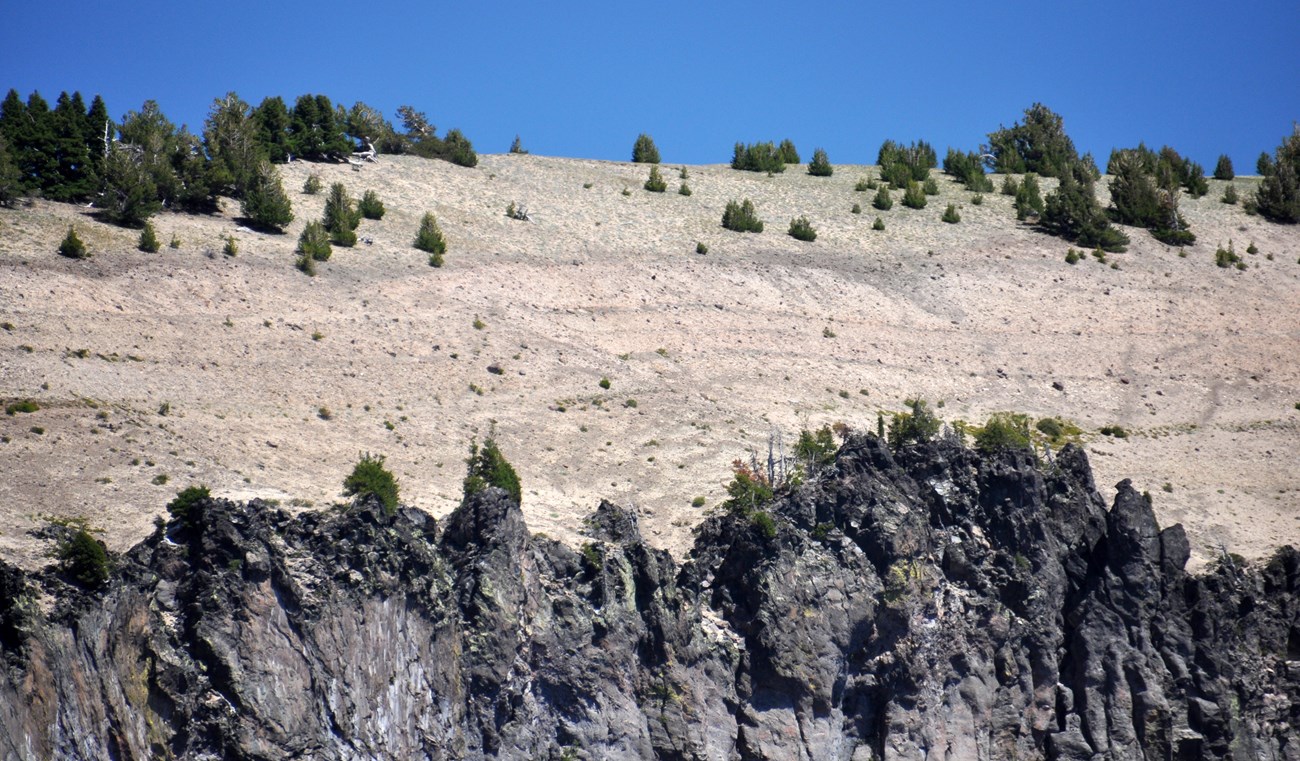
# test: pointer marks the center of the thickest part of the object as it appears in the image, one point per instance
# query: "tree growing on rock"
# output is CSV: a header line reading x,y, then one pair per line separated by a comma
x,y
487,467
369,478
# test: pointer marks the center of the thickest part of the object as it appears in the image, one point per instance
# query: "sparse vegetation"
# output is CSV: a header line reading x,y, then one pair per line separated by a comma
x,y
231,248
700,247
369,478
915,427
1004,430
25,406
879,224
1072,257
1228,257
856,209
950,215
684,189
312,185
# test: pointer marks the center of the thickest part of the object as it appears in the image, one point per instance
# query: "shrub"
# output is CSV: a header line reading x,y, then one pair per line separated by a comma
x,y
83,558
341,216
1144,191
742,217
863,185
857,209
431,240
759,157
915,427
1252,248
820,166
684,189
1223,169
1113,430
902,164
683,174
930,187
369,478
370,206
883,200
968,169
815,449
644,150
184,507
977,199
604,383
879,224
232,246
72,247
787,153
1009,186
1227,257
313,184
265,203
950,215
700,247
1264,164
149,239
1278,196
314,243
25,406
486,467
175,241
1004,430
802,229
306,265
655,183
517,147
914,196
749,489
1230,194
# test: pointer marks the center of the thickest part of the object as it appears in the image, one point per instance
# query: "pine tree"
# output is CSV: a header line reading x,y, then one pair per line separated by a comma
x,y
517,147
786,152
882,200
1029,198
130,196
149,240
230,138
487,467
644,150
265,203
1038,144
950,215
10,180
72,247
370,206
1278,195
271,122
314,243
1072,212
820,166
742,217
431,240
914,196
655,183
802,229
1223,169
341,217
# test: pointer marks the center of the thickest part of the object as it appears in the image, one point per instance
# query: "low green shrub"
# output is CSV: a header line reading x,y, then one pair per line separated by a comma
x,y
742,217
1004,430
930,187
1072,257
684,189
883,200
802,229
25,406
83,559
312,185
1230,194
857,209
314,243
370,206
232,246
72,247
149,239
950,215
655,183
879,224
183,506
700,247
914,196
431,240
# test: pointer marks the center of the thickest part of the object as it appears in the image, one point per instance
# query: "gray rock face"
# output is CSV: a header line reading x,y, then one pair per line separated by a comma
x,y
931,603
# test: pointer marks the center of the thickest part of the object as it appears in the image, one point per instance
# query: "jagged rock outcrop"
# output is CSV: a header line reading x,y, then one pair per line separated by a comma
x,y
931,603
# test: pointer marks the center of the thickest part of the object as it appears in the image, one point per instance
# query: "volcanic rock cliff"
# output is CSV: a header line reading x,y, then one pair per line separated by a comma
x,y
928,603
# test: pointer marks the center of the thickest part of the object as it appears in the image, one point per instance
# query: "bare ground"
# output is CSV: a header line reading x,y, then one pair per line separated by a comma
x,y
1199,364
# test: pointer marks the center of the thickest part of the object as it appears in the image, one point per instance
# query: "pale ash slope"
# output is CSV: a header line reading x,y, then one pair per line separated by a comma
x,y
1197,362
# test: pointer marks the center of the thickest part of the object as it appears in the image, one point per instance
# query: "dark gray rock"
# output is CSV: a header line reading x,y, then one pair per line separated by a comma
x,y
926,603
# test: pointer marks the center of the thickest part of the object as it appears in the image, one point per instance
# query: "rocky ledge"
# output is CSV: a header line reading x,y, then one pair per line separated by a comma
x,y
933,603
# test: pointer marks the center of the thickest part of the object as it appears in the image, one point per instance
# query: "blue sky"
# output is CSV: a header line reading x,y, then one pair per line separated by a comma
x,y
584,78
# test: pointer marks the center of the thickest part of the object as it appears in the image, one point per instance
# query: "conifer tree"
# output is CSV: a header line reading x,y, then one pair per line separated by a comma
x,y
130,196
1223,169
431,240
314,243
10,180
786,152
231,141
882,200
265,203
655,183
341,216
271,122
72,247
644,150
914,196
489,468
820,166
149,240
1278,195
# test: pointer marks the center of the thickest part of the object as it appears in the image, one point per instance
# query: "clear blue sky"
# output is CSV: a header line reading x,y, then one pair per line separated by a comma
x,y
584,78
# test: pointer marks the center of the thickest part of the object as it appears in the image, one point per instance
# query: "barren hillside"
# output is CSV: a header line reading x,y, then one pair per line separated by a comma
x,y
155,371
